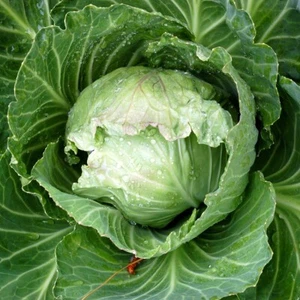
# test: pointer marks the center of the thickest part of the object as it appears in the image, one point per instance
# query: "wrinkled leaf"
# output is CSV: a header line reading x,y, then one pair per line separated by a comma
x,y
219,203
61,63
28,239
282,276
277,24
189,270
215,23
19,22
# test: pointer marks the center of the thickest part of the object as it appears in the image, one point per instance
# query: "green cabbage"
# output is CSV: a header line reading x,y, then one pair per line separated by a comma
x,y
143,140
163,130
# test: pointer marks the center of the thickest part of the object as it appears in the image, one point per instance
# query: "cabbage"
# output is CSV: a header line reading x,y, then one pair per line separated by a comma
x,y
159,130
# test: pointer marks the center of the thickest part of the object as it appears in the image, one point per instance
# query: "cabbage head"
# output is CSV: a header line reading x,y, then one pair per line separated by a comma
x,y
164,131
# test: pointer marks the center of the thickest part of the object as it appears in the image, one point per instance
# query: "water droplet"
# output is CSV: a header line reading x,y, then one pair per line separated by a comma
x,y
132,222
209,203
77,283
50,222
33,236
125,178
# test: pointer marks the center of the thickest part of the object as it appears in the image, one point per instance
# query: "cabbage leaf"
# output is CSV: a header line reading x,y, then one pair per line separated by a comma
x,y
227,104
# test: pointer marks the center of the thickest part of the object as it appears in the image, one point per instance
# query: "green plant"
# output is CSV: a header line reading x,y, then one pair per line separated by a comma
x,y
161,129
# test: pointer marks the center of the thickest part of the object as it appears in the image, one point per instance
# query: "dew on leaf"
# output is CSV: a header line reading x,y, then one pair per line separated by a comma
x,y
33,236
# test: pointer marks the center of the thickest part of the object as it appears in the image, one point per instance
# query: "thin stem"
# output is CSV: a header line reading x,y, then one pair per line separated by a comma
x,y
110,278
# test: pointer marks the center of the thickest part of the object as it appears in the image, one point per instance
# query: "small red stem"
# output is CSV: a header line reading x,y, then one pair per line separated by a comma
x,y
130,268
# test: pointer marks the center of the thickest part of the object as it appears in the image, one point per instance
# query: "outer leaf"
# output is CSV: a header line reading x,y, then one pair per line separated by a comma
x,y
70,56
277,24
285,172
214,67
219,203
215,23
281,278
61,63
231,263
28,240
19,22
108,221
206,19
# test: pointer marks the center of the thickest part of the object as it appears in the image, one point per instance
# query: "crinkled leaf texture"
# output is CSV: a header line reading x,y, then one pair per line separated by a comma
x,y
43,257
18,26
282,276
216,23
231,255
28,237
28,240
69,59
97,41
168,118
276,23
